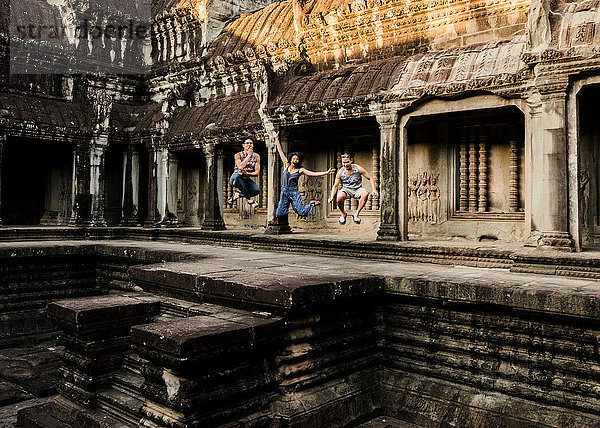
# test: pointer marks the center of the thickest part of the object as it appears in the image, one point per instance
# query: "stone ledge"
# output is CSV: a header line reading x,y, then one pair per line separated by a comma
x,y
546,294
93,316
203,337
230,284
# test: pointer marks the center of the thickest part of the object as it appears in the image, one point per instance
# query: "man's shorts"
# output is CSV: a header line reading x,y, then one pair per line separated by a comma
x,y
353,193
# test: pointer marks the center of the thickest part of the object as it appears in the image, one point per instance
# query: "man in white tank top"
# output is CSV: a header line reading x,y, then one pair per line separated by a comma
x,y
350,177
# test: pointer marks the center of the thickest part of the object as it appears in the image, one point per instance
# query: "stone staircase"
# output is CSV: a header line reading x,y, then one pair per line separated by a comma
x,y
123,400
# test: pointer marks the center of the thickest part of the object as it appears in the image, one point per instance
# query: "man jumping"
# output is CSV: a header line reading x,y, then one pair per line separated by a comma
x,y
350,176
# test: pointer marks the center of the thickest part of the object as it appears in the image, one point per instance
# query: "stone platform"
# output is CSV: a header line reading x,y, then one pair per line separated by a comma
x,y
289,339
454,251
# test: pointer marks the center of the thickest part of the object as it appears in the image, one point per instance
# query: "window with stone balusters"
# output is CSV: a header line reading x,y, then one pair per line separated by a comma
x,y
489,168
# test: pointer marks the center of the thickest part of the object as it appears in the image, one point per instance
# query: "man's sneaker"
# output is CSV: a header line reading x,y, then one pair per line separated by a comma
x,y
355,219
342,219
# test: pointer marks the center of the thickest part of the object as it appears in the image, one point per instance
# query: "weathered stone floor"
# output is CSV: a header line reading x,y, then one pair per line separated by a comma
x,y
27,378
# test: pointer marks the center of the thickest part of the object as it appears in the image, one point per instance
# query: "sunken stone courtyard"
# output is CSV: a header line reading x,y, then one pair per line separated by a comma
x,y
439,265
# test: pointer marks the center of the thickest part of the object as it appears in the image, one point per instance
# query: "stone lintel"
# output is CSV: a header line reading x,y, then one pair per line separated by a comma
x,y
204,337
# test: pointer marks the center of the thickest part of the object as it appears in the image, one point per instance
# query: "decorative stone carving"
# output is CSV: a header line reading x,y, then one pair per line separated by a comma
x,y
424,195
584,195
463,169
311,189
375,199
393,160
473,169
213,219
513,202
538,26
483,173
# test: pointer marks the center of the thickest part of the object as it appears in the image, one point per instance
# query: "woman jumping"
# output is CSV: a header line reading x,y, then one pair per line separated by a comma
x,y
289,186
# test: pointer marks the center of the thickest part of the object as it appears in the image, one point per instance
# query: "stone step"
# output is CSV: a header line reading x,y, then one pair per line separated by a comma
x,y
61,413
40,417
120,405
133,362
128,382
387,422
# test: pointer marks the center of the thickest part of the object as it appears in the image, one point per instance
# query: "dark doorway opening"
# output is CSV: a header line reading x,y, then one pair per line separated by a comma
x,y
37,182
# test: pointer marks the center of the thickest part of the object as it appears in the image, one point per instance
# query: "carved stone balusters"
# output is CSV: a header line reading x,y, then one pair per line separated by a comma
x,y
226,186
263,187
229,189
473,200
375,200
463,170
338,166
213,219
369,204
483,172
513,165
349,203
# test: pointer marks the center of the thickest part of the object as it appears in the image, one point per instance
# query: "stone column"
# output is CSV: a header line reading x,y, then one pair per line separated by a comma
x,y
129,205
170,217
221,178
152,187
82,207
162,179
213,219
97,158
549,156
2,144
275,225
393,176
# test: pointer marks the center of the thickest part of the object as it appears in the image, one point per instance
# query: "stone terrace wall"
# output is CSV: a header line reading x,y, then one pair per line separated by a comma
x,y
30,278
33,275
454,357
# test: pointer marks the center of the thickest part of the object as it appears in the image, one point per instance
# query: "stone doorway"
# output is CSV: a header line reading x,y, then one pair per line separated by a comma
x,y
589,166
37,182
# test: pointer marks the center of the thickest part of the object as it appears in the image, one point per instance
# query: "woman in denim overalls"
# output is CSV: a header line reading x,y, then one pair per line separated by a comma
x,y
289,186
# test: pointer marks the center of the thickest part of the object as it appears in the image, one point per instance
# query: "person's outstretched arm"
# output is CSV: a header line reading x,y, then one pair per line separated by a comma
x,y
279,149
365,174
335,185
316,174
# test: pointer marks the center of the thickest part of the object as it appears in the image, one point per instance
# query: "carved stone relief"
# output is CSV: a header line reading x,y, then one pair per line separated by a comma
x,y
311,189
424,196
